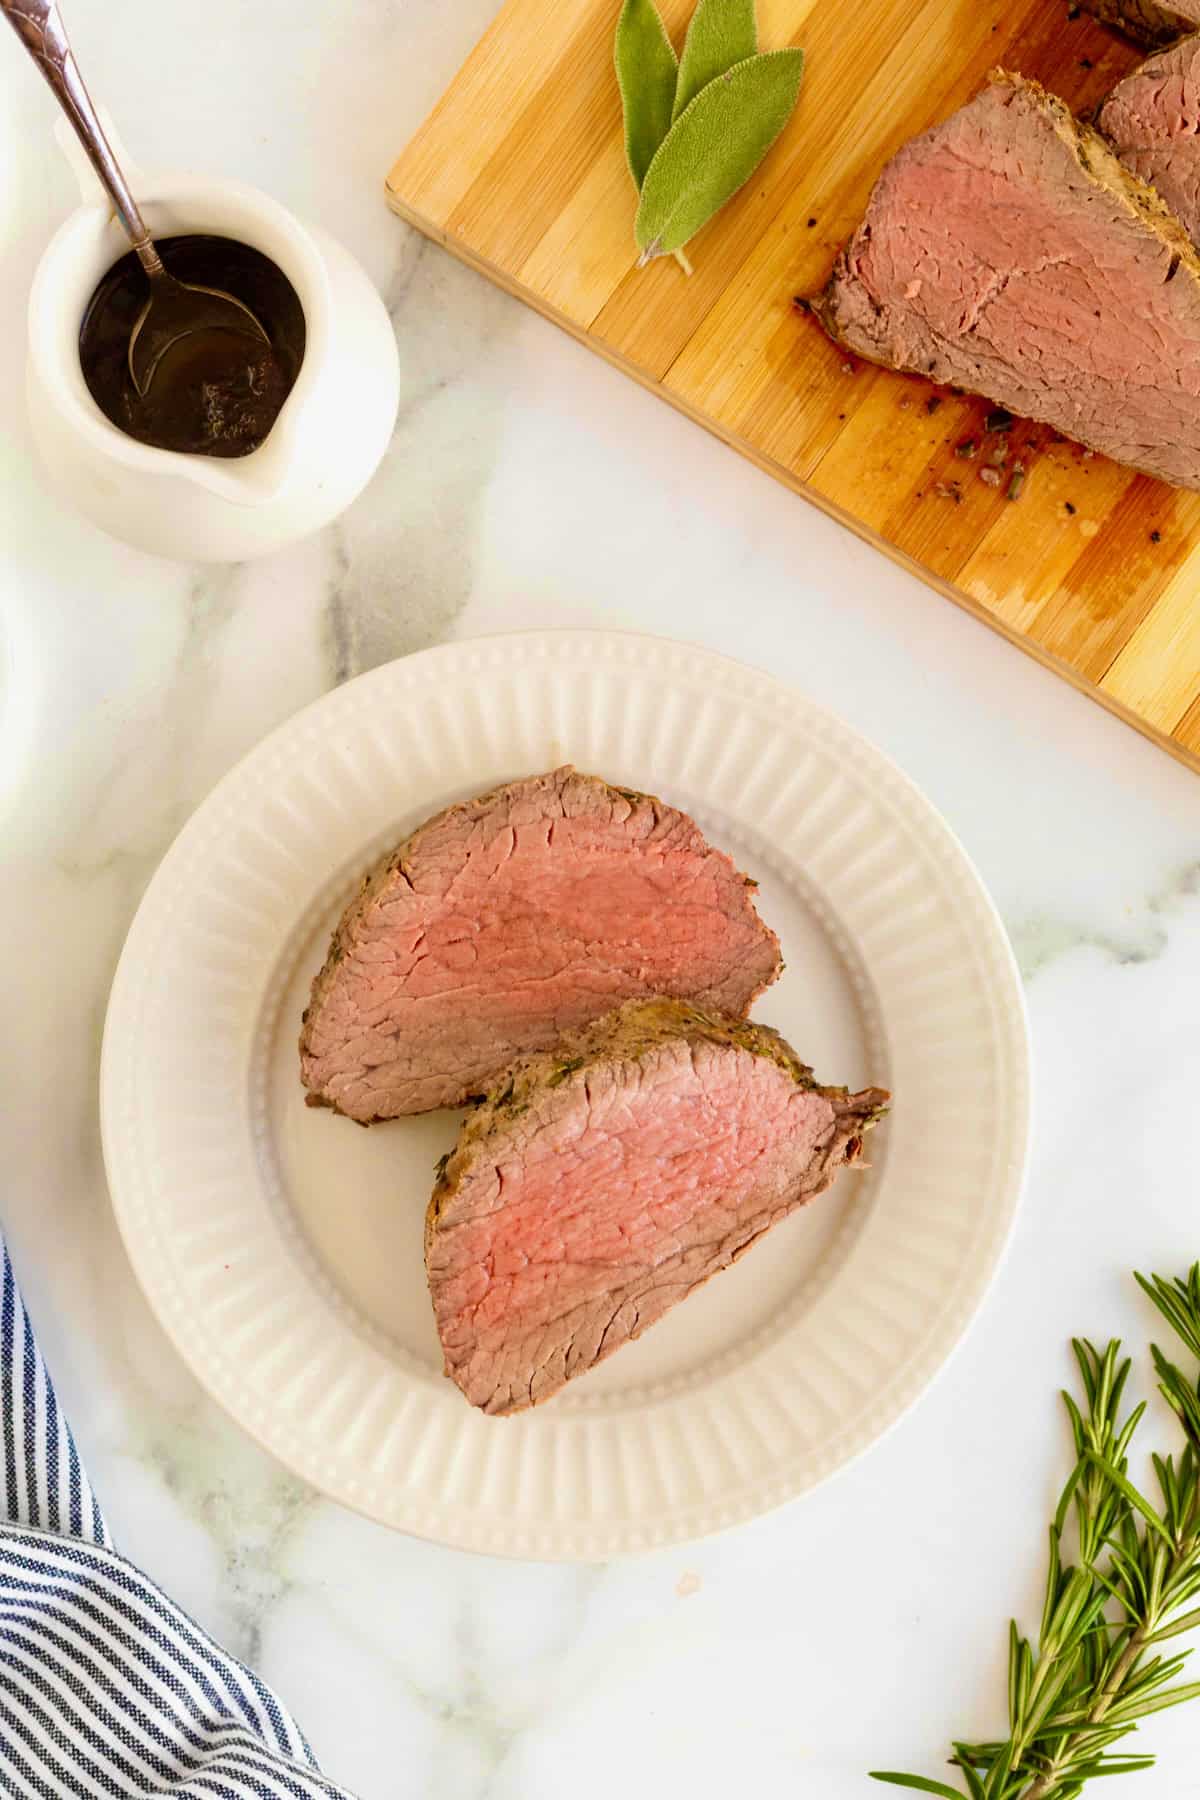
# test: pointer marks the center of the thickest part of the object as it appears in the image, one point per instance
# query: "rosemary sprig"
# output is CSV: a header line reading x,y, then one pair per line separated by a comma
x,y
1097,1670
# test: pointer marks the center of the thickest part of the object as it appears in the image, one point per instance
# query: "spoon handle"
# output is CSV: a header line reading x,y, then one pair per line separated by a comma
x,y
39,26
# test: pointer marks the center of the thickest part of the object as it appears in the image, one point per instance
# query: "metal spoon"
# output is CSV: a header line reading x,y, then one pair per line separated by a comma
x,y
175,309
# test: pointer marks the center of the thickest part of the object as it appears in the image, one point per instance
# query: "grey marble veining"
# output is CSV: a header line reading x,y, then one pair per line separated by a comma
x,y
529,485
1142,936
404,561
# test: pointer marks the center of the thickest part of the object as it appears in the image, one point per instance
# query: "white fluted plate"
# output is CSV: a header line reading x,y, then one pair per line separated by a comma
x,y
281,1247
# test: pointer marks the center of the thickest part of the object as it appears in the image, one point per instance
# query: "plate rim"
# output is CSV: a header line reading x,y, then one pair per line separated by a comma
x,y
590,1542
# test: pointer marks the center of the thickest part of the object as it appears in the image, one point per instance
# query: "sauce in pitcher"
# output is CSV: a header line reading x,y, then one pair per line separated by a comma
x,y
215,392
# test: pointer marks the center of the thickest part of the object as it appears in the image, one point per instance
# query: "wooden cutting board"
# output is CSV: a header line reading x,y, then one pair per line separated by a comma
x,y
519,170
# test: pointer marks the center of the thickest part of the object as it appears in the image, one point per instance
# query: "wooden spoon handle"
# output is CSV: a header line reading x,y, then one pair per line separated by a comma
x,y
39,26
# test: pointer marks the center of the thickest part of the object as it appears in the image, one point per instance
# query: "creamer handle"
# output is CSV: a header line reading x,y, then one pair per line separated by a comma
x,y
39,26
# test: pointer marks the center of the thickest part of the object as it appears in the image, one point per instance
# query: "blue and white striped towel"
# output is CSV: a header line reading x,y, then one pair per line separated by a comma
x,y
106,1687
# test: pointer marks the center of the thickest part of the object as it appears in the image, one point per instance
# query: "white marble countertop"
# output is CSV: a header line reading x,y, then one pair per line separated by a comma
x,y
529,484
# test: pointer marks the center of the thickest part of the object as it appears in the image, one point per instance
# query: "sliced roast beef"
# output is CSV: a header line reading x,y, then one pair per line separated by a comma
x,y
608,1179
505,921
1147,21
1008,252
1152,120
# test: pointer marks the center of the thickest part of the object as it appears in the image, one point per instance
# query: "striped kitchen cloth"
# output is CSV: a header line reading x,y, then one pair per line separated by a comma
x,y
106,1687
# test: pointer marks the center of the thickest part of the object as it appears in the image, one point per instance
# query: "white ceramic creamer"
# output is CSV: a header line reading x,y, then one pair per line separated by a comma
x,y
328,440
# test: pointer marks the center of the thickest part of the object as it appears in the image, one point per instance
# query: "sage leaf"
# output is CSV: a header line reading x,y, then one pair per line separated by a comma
x,y
714,147
646,71
722,32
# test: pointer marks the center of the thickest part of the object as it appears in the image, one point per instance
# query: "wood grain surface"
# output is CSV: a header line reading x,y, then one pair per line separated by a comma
x,y
519,170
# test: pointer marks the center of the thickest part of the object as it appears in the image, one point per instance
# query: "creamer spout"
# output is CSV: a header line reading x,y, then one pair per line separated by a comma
x,y
254,480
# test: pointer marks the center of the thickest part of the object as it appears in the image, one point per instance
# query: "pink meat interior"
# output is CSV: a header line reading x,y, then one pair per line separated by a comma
x,y
1024,268
606,1207
1153,121
506,933
993,258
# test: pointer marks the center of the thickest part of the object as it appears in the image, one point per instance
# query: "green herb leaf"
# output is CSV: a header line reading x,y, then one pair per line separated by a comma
x,y
646,72
974,1785
1140,1709
1188,1622
1179,1303
563,1071
1131,1494
919,1782
714,147
1094,1675
997,1781
1126,1765
722,32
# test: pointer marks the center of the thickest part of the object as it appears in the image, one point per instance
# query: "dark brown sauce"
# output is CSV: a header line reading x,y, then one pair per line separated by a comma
x,y
215,393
